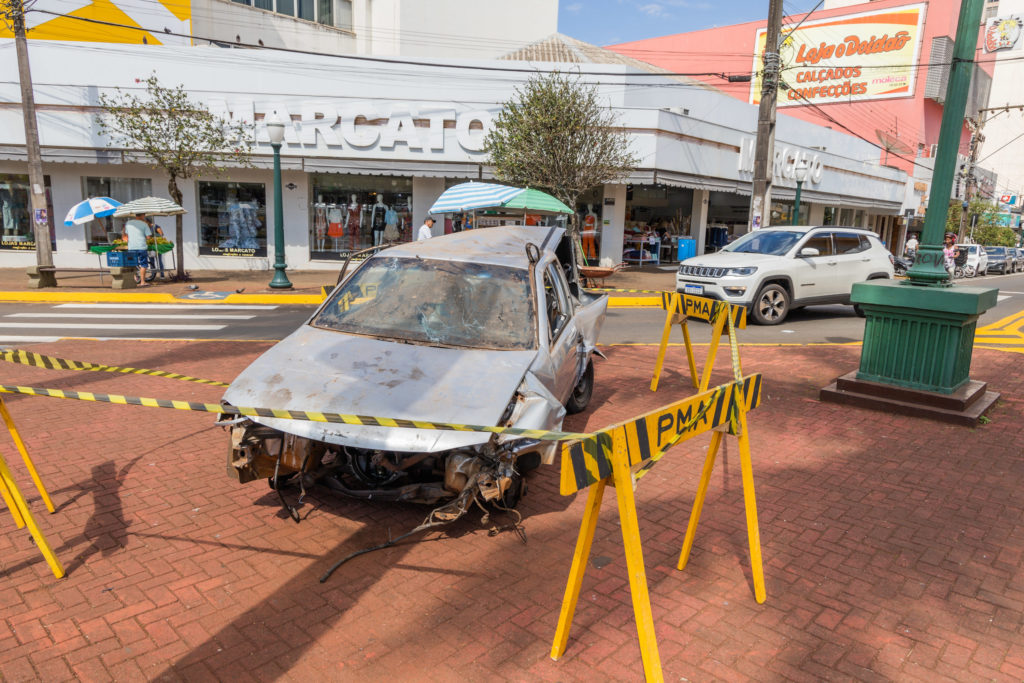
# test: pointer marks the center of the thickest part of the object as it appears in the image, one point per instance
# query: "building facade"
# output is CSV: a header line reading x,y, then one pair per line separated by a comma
x,y
409,28
877,69
369,148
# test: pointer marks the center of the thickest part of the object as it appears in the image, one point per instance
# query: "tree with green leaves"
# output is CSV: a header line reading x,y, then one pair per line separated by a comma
x,y
987,228
177,135
556,135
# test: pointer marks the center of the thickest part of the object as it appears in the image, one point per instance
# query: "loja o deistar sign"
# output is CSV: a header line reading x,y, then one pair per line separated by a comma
x,y
852,57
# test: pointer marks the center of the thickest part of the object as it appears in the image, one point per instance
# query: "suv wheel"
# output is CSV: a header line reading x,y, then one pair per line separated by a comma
x,y
771,305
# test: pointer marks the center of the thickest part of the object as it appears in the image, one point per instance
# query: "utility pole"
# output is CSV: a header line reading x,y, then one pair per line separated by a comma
x,y
14,11
764,150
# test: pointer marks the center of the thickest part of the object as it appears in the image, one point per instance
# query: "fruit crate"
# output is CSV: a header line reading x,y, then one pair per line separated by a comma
x,y
126,259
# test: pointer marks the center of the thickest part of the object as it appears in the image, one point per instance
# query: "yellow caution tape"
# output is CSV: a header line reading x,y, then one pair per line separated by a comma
x,y
54,363
311,416
631,291
648,436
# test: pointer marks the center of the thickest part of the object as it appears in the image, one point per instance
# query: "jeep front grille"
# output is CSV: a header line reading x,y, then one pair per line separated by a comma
x,y
702,271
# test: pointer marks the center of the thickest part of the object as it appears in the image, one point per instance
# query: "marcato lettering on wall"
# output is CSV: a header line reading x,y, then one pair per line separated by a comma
x,y
366,125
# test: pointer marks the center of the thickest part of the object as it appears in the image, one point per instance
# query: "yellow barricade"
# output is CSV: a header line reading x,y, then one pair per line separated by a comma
x,y
681,307
620,454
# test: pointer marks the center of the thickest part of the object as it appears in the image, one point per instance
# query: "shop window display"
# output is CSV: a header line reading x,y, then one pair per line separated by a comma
x,y
105,230
656,217
352,212
16,212
232,219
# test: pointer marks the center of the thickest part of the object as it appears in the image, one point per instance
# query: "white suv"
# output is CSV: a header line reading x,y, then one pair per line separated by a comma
x,y
774,270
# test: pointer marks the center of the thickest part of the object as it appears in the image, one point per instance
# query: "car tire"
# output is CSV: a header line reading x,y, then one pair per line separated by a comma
x,y
771,305
582,392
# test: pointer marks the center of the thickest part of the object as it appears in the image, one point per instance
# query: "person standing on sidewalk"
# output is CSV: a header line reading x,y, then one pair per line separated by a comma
x,y
949,253
136,230
426,230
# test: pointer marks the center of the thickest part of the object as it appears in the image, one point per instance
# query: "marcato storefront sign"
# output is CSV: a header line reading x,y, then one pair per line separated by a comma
x,y
850,58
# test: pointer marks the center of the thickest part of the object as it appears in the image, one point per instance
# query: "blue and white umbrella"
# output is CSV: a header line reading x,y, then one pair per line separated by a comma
x,y
469,196
475,196
94,207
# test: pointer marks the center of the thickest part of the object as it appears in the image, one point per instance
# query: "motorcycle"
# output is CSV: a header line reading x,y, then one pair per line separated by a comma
x,y
901,264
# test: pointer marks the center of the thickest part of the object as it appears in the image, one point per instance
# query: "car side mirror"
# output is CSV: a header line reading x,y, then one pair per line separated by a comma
x,y
809,251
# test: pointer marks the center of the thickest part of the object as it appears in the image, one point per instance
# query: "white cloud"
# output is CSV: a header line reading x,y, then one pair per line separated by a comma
x,y
574,7
653,10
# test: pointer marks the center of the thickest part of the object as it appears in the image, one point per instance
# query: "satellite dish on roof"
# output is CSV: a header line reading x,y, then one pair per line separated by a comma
x,y
892,143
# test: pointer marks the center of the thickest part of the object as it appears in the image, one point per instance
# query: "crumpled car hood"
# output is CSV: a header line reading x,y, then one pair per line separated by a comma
x,y
330,371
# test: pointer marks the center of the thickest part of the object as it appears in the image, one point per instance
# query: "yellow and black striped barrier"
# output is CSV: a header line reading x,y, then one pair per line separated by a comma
x,y
619,455
626,291
53,363
702,308
648,436
308,415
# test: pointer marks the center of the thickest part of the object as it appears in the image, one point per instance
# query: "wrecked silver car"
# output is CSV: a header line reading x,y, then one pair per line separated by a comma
x,y
487,327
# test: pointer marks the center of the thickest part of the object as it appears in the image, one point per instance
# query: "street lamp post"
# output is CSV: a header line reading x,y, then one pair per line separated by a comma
x,y
800,171
275,131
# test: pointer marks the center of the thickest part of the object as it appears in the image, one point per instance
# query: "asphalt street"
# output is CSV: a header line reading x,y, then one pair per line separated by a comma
x,y
27,323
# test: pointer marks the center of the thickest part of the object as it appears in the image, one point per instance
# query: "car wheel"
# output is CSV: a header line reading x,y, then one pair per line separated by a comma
x,y
581,393
771,305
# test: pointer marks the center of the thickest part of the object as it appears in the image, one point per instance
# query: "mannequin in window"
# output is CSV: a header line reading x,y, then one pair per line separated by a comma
x,y
243,223
391,233
319,223
353,220
7,208
589,233
377,219
335,223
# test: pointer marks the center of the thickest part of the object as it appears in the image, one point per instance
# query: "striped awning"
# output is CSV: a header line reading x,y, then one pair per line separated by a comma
x,y
472,196
149,206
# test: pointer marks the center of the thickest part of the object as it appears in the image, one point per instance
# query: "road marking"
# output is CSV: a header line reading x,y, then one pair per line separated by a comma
x,y
18,340
110,326
134,316
176,307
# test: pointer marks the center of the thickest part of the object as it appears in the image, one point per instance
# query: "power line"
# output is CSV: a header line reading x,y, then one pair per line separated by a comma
x,y
1000,149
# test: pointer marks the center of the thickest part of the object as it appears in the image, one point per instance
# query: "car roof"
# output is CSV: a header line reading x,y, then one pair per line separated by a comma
x,y
808,228
500,246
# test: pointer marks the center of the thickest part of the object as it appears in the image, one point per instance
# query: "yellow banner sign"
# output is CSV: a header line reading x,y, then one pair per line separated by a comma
x,y
850,58
150,22
648,436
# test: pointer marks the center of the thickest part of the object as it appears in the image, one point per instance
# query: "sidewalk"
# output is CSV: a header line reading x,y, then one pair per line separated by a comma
x,y
252,287
893,546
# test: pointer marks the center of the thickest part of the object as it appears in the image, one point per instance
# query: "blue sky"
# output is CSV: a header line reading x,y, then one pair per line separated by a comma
x,y
606,22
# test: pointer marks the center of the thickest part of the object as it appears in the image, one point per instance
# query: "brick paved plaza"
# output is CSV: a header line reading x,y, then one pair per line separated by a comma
x,y
892,545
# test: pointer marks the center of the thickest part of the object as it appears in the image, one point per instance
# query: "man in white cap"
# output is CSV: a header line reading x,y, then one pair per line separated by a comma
x,y
426,230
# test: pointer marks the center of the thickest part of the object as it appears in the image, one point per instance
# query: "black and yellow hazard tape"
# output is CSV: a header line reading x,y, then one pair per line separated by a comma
x,y
53,363
626,291
310,416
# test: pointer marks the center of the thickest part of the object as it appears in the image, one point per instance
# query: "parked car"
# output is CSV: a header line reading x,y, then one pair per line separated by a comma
x,y
774,270
977,259
486,327
1002,259
1018,259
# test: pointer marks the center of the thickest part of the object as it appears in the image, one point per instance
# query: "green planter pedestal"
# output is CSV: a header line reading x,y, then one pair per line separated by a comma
x,y
916,357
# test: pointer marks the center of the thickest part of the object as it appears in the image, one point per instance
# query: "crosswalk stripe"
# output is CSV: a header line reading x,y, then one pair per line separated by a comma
x,y
135,316
109,326
176,307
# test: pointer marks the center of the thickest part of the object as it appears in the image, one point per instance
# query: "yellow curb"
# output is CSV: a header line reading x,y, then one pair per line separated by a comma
x,y
155,298
634,302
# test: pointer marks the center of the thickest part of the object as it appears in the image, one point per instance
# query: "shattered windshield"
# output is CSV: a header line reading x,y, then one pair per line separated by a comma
x,y
450,303
775,242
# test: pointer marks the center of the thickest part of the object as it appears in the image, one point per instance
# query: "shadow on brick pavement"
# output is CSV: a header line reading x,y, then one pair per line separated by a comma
x,y
893,546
